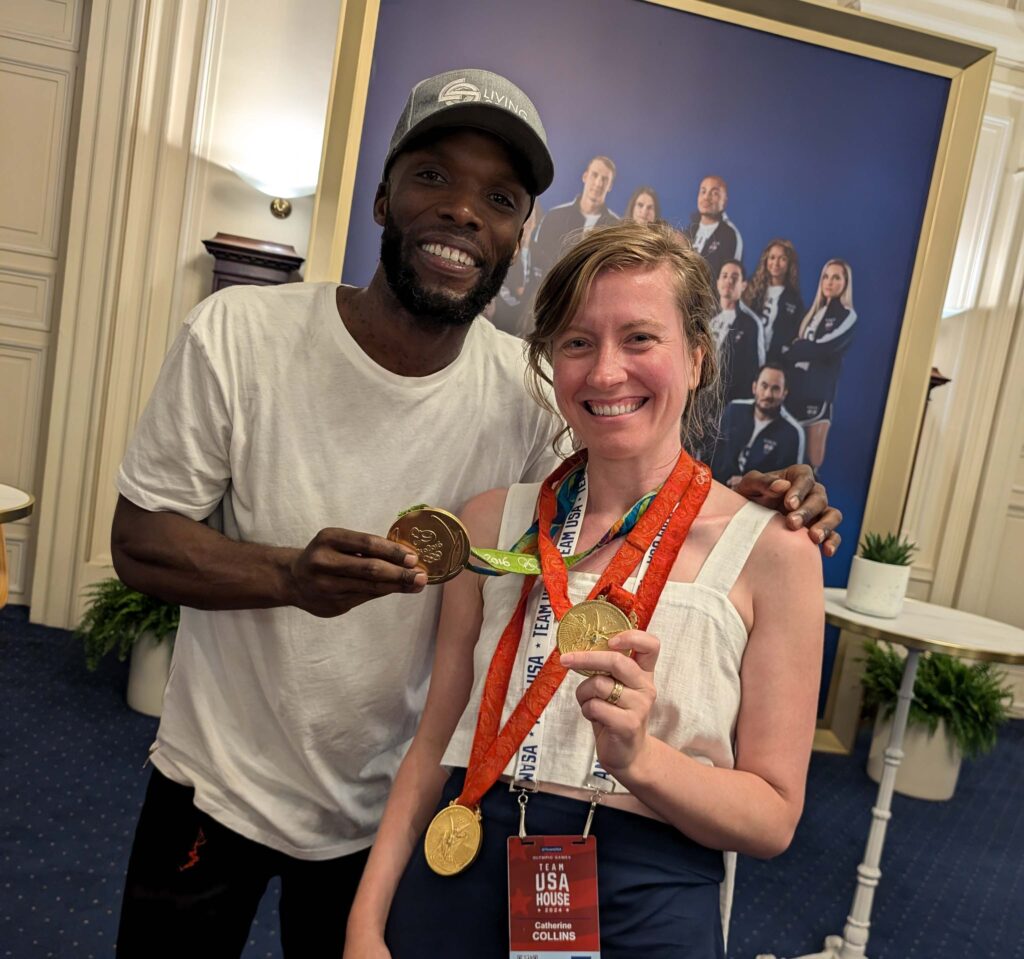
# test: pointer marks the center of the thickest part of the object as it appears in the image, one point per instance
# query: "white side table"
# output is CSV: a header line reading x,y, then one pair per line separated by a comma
x,y
920,627
14,504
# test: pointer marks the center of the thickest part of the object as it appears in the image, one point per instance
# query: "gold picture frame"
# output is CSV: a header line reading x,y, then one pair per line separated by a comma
x,y
968,68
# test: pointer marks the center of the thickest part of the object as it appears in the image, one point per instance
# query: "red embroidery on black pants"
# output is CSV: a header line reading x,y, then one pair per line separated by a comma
x,y
193,853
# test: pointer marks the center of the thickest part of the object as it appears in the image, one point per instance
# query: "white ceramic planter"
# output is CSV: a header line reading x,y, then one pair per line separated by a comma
x,y
930,765
876,589
148,670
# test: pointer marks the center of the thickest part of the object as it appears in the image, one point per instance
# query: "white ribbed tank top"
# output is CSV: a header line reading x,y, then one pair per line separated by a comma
x,y
702,642
698,673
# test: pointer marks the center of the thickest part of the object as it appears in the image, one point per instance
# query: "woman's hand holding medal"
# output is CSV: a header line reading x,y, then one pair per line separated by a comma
x,y
619,697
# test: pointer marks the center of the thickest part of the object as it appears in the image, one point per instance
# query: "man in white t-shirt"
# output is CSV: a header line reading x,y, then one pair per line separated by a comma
x,y
284,420
713,235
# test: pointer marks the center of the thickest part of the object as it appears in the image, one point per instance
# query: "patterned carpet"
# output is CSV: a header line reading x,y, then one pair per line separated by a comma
x,y
72,780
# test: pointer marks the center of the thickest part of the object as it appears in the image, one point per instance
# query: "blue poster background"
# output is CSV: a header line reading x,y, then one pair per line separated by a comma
x,y
830,150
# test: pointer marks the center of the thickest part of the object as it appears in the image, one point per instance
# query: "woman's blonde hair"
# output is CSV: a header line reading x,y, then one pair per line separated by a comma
x,y
845,298
632,246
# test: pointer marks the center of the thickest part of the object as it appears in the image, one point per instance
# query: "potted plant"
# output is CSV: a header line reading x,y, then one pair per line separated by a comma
x,y
118,618
957,710
879,575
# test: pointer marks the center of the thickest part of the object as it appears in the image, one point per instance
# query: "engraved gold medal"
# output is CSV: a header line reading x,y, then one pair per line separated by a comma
x,y
439,539
587,627
453,839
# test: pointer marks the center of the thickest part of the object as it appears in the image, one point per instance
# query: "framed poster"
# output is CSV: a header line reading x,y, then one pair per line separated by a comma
x,y
843,140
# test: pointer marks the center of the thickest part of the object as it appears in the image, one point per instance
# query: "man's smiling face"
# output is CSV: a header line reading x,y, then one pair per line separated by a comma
x,y
453,210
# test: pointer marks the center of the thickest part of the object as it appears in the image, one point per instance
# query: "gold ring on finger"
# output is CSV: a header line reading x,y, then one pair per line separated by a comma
x,y
613,696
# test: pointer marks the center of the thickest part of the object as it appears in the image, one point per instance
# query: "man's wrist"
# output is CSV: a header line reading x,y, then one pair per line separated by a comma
x,y
286,590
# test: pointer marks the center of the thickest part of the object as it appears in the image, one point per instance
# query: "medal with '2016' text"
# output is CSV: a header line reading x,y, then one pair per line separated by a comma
x,y
439,539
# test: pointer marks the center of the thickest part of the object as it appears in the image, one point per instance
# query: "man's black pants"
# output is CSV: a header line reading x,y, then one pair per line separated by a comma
x,y
193,886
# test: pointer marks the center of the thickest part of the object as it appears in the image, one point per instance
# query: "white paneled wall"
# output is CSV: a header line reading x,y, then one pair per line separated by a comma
x,y
38,65
966,504
167,85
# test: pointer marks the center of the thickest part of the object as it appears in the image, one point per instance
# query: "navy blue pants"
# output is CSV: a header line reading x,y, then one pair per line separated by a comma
x,y
657,890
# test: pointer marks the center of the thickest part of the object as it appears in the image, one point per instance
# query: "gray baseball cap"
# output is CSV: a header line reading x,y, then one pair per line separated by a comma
x,y
484,101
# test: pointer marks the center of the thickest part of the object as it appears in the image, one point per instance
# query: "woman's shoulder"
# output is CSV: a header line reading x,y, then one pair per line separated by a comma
x,y
482,516
716,514
783,555
776,541
722,502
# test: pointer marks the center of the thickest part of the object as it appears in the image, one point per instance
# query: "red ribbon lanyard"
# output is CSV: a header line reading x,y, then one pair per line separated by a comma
x,y
680,498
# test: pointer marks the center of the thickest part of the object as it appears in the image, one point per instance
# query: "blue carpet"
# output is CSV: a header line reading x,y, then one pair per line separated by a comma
x,y
71,769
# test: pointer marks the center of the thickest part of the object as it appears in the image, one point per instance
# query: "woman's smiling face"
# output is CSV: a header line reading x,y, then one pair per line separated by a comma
x,y
777,264
622,368
833,281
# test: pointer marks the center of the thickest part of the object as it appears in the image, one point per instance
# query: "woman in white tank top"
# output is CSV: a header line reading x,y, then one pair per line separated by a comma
x,y
697,743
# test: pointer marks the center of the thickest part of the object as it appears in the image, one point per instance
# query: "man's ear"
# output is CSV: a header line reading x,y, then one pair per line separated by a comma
x,y
380,203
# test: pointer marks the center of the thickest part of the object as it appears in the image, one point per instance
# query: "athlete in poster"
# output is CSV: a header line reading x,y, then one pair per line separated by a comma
x,y
814,359
713,235
644,206
738,334
568,222
758,432
773,293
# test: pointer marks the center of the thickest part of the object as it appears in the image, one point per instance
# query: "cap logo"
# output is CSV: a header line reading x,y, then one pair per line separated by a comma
x,y
458,91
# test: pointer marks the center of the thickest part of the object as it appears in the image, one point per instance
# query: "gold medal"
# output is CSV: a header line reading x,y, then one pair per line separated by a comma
x,y
587,627
453,839
439,539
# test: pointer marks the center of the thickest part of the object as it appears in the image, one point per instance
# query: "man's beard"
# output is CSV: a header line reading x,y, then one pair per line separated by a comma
x,y
435,306
769,412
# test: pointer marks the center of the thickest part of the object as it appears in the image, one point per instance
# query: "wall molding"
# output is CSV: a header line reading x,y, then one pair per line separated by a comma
x,y
192,285
17,537
970,20
66,37
135,127
998,449
46,240
12,313
976,226
24,352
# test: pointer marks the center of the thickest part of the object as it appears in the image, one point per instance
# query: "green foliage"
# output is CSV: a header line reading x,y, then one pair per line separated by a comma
x,y
890,549
972,698
117,616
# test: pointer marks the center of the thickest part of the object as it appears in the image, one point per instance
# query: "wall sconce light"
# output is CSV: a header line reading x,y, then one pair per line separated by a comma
x,y
280,207
279,188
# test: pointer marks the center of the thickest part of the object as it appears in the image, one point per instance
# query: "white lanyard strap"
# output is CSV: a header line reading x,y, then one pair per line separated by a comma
x,y
542,639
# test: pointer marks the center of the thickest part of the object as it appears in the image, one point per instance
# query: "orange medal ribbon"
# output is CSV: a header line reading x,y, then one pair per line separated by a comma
x,y
680,498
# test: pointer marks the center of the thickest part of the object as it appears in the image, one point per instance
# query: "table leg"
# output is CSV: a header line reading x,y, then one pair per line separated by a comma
x,y
3,568
858,922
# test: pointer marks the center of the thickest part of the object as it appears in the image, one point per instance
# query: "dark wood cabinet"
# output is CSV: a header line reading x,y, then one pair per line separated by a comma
x,y
243,260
